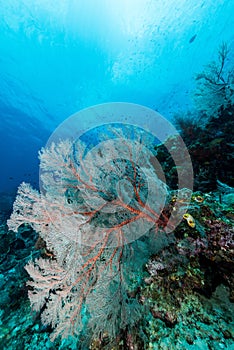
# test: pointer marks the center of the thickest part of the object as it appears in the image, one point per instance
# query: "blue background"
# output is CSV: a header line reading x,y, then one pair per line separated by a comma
x,y
58,57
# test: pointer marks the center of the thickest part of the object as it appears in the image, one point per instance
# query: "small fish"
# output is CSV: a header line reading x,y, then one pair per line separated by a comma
x,y
192,39
190,220
175,199
198,199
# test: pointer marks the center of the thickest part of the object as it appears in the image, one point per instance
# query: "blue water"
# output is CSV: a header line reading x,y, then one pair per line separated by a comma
x,y
128,191
57,60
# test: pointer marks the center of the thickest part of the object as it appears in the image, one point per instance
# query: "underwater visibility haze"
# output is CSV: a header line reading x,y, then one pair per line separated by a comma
x,y
117,176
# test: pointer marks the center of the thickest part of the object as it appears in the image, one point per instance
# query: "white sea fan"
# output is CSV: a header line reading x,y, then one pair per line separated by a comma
x,y
89,218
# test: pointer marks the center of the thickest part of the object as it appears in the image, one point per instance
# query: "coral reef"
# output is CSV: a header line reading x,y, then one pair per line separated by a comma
x,y
189,321
159,292
185,278
206,130
211,150
185,290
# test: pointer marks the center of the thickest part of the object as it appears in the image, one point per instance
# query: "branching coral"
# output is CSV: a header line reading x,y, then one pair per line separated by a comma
x,y
215,85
